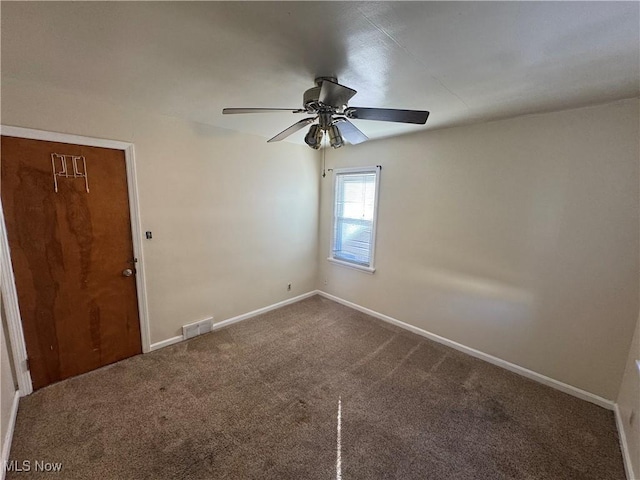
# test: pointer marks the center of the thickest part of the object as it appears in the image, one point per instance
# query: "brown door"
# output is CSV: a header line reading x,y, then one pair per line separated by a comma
x,y
70,251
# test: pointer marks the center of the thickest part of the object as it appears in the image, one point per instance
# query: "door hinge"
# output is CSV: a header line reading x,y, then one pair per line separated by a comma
x,y
27,364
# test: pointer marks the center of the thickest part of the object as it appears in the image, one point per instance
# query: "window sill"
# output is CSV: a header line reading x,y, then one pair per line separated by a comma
x,y
355,266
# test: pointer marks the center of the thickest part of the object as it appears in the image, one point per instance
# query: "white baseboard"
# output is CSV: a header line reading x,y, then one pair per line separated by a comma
x,y
624,446
239,318
525,372
165,343
260,311
8,437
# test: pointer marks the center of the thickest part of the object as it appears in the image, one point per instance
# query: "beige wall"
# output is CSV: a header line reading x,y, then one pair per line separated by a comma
x,y
7,383
629,404
234,220
518,238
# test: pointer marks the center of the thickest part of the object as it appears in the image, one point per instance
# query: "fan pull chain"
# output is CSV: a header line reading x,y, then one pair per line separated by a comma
x,y
324,172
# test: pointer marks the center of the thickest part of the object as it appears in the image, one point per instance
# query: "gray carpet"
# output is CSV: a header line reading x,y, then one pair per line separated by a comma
x,y
259,400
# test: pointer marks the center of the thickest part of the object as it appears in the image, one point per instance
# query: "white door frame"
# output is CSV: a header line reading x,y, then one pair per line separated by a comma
x,y
7,283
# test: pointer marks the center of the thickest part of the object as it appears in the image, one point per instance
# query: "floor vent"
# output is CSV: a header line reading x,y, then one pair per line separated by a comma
x,y
197,328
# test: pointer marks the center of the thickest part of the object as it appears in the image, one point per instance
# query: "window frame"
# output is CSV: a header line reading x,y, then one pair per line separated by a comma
x,y
345,263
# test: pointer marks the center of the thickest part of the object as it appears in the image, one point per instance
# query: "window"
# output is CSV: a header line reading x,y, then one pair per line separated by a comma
x,y
354,217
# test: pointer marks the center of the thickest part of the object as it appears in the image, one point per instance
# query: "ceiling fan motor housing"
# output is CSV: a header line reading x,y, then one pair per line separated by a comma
x,y
310,100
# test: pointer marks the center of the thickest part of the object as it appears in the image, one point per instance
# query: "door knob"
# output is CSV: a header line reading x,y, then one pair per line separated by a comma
x,y
127,272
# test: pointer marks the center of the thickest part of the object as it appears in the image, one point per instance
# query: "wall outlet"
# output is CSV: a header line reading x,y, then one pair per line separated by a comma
x,y
288,287
197,328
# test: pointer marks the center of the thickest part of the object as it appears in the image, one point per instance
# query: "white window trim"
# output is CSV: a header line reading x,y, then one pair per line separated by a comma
x,y
373,169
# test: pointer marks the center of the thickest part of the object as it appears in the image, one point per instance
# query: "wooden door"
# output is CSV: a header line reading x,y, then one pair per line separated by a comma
x,y
70,250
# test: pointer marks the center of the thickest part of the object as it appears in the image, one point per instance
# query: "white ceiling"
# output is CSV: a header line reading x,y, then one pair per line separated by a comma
x,y
463,61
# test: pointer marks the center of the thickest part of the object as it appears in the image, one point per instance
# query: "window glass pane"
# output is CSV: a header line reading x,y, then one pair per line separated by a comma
x,y
357,196
354,241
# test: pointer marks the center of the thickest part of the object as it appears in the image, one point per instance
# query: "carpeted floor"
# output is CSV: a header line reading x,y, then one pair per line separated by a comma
x,y
259,400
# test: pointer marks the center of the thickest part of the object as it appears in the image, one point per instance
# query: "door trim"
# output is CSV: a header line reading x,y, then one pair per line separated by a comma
x,y
9,293
12,311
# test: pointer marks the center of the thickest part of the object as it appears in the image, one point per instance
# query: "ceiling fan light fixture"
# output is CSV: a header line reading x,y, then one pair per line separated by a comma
x,y
313,138
334,137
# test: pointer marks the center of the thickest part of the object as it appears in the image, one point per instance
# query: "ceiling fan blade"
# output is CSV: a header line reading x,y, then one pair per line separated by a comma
x,y
334,94
388,115
292,129
228,111
350,132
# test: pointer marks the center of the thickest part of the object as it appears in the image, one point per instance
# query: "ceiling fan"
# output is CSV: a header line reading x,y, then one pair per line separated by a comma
x,y
327,101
